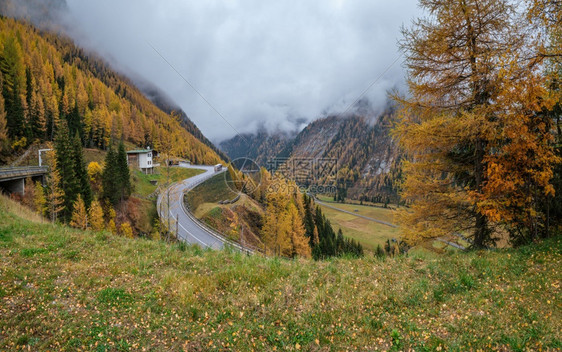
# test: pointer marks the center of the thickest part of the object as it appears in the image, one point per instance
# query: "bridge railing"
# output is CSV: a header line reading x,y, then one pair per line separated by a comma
x,y
164,214
14,171
246,248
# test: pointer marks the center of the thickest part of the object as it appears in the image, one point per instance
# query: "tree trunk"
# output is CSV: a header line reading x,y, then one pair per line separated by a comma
x,y
481,232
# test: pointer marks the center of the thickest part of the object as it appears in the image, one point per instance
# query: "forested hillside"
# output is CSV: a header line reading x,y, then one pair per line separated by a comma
x,y
46,79
160,99
368,159
273,216
260,146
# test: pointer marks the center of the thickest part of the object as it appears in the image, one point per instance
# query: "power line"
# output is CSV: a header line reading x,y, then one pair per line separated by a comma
x,y
196,91
371,85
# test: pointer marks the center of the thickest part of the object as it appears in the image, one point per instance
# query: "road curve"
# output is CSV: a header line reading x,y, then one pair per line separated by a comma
x,y
188,228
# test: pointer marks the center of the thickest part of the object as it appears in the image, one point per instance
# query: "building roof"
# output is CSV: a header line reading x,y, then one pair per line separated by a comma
x,y
139,151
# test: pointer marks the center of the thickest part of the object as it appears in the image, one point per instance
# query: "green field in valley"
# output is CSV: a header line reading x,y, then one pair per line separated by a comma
x,y
367,232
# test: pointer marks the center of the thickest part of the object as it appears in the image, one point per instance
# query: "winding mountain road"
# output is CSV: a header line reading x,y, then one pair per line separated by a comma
x,y
182,223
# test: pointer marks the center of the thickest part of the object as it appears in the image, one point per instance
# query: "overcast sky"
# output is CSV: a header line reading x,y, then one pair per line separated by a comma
x,y
256,62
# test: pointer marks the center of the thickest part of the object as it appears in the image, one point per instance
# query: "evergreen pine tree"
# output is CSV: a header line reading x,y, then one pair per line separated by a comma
x,y
309,220
110,178
67,169
379,252
124,177
82,177
16,114
387,247
340,243
74,122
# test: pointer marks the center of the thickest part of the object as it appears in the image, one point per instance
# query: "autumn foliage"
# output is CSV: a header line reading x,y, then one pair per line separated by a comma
x,y
79,215
45,79
283,229
475,123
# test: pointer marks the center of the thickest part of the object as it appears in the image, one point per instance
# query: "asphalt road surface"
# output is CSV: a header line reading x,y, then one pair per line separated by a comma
x,y
188,229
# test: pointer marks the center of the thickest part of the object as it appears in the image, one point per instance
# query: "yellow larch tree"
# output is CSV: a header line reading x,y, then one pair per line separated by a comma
x,y
79,214
126,230
54,194
297,234
275,227
469,94
95,172
96,216
40,200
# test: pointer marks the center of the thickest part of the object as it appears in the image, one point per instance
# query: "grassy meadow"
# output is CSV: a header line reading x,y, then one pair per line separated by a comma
x,y
64,289
209,193
367,232
143,186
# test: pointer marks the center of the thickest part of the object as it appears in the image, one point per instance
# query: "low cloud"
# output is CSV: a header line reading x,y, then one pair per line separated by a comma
x,y
272,64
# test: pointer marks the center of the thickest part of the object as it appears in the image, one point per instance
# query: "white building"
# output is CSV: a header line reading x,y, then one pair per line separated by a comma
x,y
142,159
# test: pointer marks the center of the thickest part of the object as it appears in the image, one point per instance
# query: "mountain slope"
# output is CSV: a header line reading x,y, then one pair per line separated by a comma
x,y
64,289
47,80
368,159
260,146
163,102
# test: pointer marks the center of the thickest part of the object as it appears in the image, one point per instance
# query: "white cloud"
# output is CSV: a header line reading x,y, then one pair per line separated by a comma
x,y
257,62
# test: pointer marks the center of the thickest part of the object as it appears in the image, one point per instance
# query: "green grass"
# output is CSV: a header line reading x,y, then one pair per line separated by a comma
x,y
213,190
141,181
368,233
91,154
383,214
63,289
145,212
330,199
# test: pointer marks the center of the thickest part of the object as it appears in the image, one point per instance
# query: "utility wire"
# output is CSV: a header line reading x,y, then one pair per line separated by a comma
x,y
371,85
196,91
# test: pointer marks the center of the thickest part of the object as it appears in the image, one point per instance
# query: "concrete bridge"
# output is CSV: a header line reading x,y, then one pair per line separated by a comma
x,y
12,179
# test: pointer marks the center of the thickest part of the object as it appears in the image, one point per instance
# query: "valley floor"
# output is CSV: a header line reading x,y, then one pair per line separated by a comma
x,y
63,289
354,223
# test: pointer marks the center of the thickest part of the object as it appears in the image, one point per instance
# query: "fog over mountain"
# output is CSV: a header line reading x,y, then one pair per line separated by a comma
x,y
260,64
